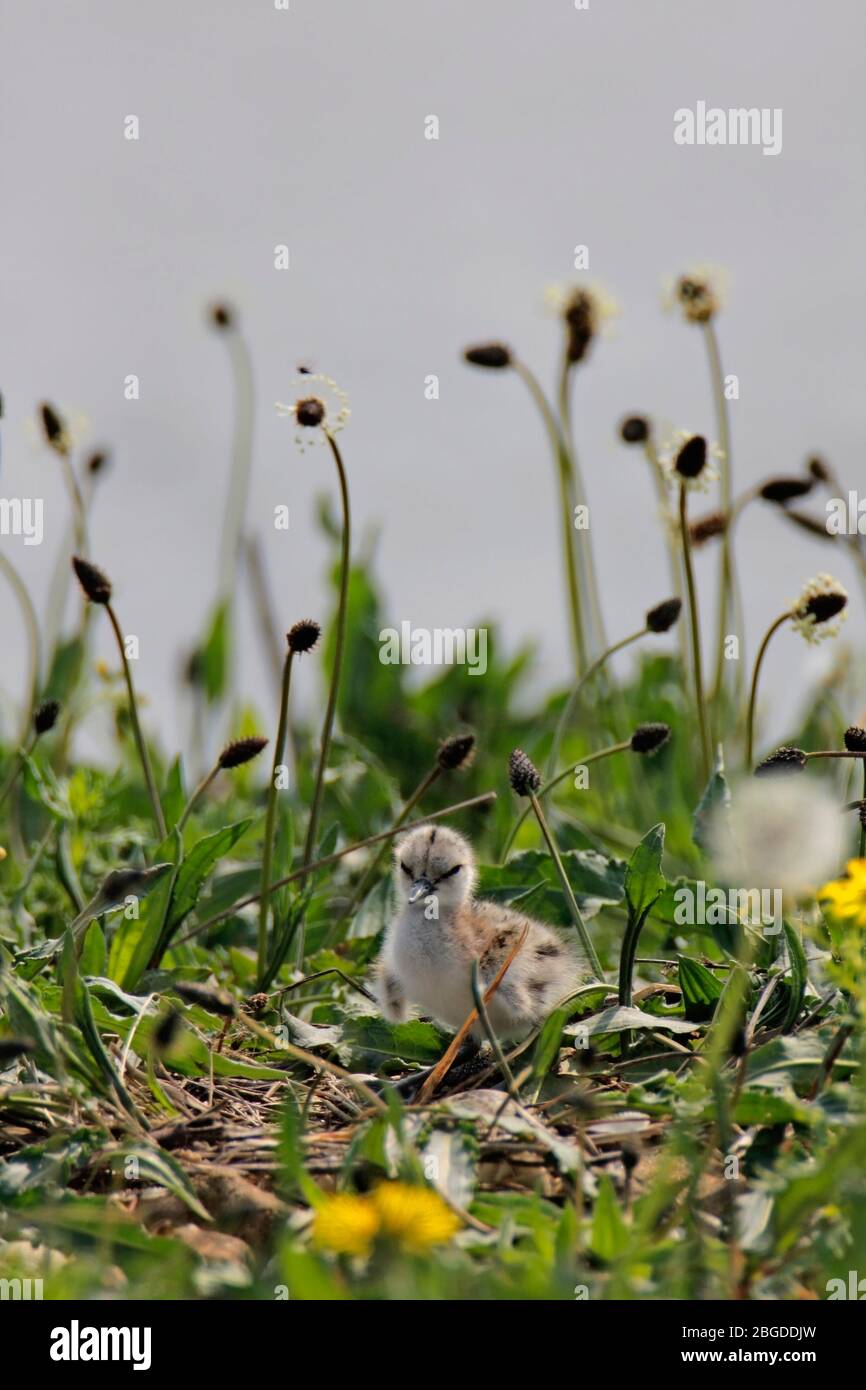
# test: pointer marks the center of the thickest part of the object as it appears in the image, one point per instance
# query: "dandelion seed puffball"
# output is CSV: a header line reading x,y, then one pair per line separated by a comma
x,y
779,833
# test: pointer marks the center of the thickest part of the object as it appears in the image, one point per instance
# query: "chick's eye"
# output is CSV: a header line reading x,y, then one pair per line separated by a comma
x,y
452,872
405,868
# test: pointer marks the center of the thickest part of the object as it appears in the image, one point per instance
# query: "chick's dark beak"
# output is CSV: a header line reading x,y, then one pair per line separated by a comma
x,y
421,888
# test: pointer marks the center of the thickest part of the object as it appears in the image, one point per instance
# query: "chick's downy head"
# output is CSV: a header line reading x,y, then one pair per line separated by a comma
x,y
434,859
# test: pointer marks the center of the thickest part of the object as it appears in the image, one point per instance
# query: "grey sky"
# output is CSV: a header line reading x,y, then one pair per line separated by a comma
x,y
261,127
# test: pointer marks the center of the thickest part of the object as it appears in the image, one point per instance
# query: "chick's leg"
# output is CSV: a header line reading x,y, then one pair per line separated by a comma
x,y
392,999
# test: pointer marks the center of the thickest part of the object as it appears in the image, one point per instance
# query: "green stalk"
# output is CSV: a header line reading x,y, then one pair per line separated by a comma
x,y
34,657
242,450
14,772
264,608
753,693
199,791
339,647
651,455
695,631
574,910
144,756
484,1019
726,577
271,817
565,478
587,558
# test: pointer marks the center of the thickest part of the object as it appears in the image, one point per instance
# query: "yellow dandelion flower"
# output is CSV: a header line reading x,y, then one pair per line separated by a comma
x,y
346,1225
846,897
415,1217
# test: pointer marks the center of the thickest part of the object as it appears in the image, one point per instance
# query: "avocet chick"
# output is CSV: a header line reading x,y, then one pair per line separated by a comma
x,y
440,928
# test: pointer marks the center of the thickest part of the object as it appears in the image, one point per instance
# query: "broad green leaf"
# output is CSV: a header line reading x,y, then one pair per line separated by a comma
x,y
214,654
596,881
195,868
42,786
290,1140
644,880
701,989
644,883
48,1166
368,1042
159,1167
550,1039
619,1018
760,1107
93,953
791,1063
820,1184
713,805
799,976
754,1212
77,1007
609,1237
174,795
136,938
65,670
449,1162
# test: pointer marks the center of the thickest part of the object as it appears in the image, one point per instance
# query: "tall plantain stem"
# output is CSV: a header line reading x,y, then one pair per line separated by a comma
x,y
565,478
695,631
144,756
339,647
753,693
271,817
